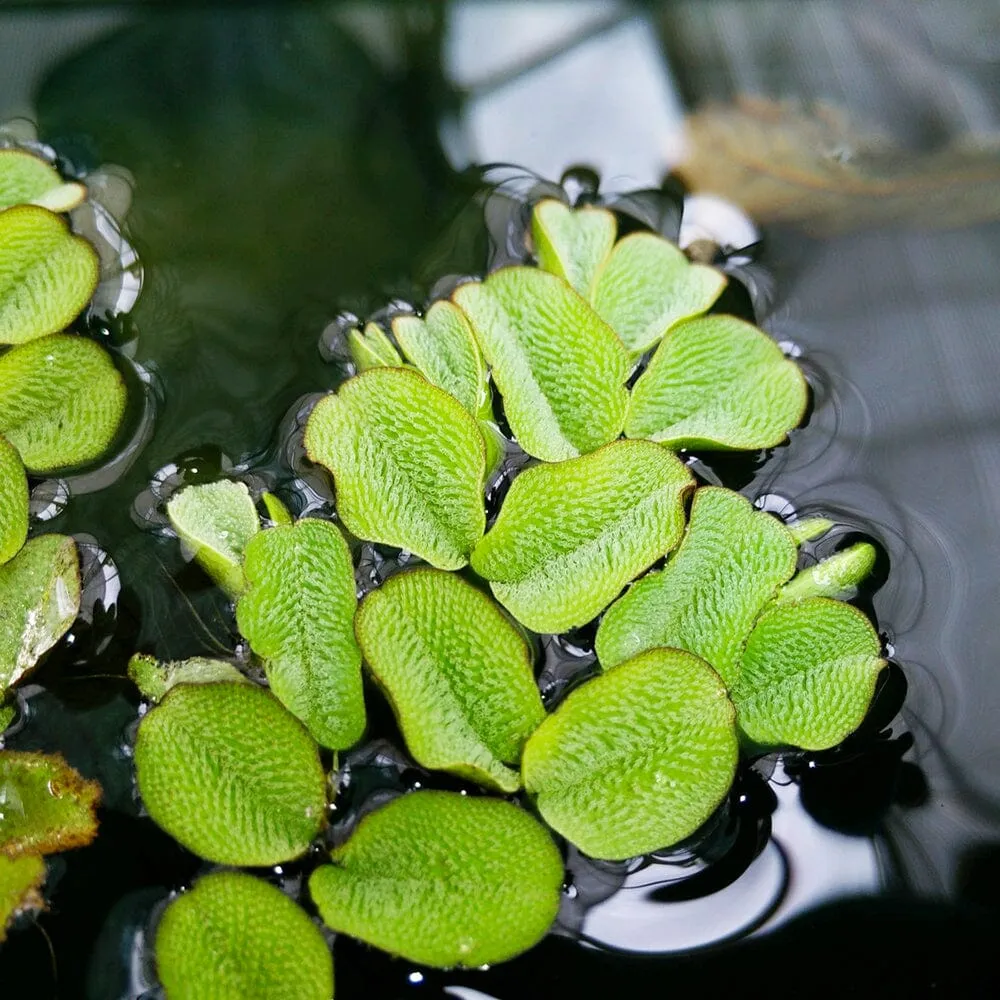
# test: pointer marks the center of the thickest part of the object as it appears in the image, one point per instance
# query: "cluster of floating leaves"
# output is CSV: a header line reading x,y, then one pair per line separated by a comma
x,y
62,401
607,366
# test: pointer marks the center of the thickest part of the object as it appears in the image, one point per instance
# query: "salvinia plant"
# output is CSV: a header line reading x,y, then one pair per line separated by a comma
x,y
62,401
712,645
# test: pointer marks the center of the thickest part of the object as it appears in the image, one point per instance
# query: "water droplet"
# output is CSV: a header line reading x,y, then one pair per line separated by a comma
x,y
580,184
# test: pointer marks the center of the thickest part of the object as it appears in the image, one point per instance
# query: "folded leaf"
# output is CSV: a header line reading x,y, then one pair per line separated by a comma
x,y
232,775
573,243
154,679
61,401
63,198
45,805
234,937
809,528
808,674
717,382
371,348
648,285
298,616
728,567
457,674
21,880
836,576
24,177
13,502
408,463
39,601
570,536
276,510
444,880
216,522
560,369
636,759
47,275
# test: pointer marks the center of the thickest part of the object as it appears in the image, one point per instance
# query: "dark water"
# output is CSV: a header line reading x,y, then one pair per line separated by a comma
x,y
283,178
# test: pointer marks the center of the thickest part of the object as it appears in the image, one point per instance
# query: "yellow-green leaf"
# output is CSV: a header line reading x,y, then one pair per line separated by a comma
x,y
836,576
573,243
154,678
28,179
21,880
371,348
13,502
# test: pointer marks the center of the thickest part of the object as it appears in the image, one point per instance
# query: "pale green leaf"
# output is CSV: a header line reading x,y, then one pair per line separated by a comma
x,y
234,937
648,285
39,601
809,528
573,243
444,880
45,805
371,348
717,382
636,759
64,198
216,522
408,463
61,401
560,369
728,567
298,616
443,348
276,510
457,674
570,536
27,178
836,576
808,674
21,880
154,678
13,502
231,774
47,275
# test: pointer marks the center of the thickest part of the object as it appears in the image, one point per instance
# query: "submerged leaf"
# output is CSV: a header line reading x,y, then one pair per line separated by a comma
x,y
808,674
234,937
13,502
570,536
39,601
707,598
154,678
229,773
648,285
61,401
45,805
444,880
635,759
560,369
216,522
836,576
573,243
47,275
21,879
717,382
371,348
456,672
298,616
408,463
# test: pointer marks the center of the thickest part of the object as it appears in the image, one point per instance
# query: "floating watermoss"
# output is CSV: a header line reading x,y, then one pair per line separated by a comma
x,y
456,672
443,879
573,243
154,678
26,179
836,576
21,881
371,348
13,502
234,937
277,512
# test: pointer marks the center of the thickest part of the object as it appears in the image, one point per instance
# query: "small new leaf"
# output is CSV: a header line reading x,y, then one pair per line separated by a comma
x,y
13,502
154,678
573,243
28,179
371,348
837,576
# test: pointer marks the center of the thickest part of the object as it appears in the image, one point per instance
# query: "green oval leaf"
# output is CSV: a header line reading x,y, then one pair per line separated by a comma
x,y
154,678
13,502
45,805
229,773
808,674
298,616
457,674
443,879
47,275
635,759
570,536
560,369
836,576
276,510
573,243
717,382
25,178
61,401
648,285
408,463
216,522
39,601
728,567
234,937
21,880
371,348
809,528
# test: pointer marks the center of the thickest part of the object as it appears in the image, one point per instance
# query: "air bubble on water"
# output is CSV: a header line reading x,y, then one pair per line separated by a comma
x,y
333,338
790,349
581,184
48,499
415,978
775,503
